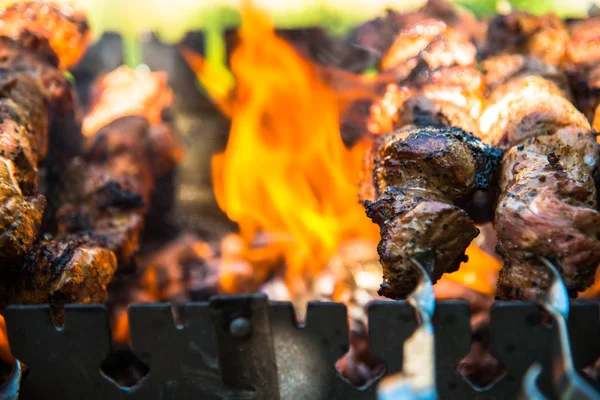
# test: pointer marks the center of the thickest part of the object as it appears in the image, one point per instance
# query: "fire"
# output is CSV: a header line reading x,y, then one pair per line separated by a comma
x,y
479,273
285,171
5,354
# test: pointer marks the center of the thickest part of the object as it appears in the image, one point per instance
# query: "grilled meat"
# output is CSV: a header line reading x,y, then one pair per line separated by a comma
x,y
121,162
548,197
22,144
582,65
68,270
125,92
419,175
35,98
543,37
113,188
65,28
435,69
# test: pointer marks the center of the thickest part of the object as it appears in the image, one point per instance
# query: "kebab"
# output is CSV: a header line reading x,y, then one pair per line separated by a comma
x,y
34,93
582,66
416,177
124,156
547,203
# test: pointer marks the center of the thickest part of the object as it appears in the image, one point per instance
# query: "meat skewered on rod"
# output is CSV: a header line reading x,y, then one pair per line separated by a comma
x,y
122,161
547,203
108,193
582,66
35,93
417,177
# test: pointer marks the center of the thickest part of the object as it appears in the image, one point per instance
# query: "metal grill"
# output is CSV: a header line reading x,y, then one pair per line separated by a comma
x,y
245,347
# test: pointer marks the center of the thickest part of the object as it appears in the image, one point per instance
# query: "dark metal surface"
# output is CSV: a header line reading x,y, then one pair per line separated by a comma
x,y
242,331
260,352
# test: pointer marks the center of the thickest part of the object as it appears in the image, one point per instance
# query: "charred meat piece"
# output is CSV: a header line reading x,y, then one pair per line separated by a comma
x,y
112,189
35,98
379,35
430,41
548,207
112,184
547,203
23,141
68,270
125,92
451,96
582,65
501,69
527,107
65,28
543,37
416,177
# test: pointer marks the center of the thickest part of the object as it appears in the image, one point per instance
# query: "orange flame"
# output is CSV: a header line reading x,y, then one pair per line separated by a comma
x,y
285,170
5,354
479,273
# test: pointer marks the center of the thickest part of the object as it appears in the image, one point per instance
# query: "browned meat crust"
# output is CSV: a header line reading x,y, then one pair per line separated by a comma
x,y
113,188
418,175
58,272
35,98
582,65
22,143
65,28
547,207
547,204
543,37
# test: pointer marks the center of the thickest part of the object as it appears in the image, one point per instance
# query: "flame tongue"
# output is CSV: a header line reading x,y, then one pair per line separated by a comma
x,y
285,170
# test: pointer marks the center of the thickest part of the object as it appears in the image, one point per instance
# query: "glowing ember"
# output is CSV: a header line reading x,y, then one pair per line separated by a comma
x,y
125,92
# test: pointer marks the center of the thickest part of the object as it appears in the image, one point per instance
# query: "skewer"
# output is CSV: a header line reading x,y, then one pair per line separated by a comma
x,y
567,381
10,389
530,390
417,379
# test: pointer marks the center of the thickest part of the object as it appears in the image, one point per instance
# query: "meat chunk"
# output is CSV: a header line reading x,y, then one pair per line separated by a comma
x,y
112,187
543,37
125,92
547,204
582,65
59,272
451,96
548,207
501,69
418,175
64,27
23,141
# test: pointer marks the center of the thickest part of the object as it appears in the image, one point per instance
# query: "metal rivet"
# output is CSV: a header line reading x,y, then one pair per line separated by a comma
x,y
240,327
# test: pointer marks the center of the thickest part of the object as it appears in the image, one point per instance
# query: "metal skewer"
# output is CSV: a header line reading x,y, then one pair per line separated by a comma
x,y
567,381
417,379
10,389
530,390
